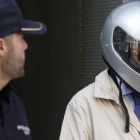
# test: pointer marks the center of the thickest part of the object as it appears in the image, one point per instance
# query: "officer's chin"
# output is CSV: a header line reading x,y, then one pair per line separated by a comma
x,y
22,75
19,75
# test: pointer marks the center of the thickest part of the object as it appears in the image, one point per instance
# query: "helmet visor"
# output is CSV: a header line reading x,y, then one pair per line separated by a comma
x,y
127,47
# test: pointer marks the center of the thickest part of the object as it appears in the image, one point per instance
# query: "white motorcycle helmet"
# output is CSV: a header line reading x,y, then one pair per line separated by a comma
x,y
120,41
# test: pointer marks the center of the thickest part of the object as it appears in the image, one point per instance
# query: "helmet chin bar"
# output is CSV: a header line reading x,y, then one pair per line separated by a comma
x,y
138,93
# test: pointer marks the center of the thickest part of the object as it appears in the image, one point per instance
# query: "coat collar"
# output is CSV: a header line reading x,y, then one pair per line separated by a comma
x,y
105,87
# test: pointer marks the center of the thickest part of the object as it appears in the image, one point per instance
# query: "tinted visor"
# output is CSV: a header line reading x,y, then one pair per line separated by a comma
x,y
127,47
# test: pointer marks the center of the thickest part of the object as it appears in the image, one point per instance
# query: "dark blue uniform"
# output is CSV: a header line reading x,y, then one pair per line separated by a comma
x,y
13,121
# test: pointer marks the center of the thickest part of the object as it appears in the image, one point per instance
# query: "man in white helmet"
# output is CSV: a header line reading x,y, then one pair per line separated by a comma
x,y
109,108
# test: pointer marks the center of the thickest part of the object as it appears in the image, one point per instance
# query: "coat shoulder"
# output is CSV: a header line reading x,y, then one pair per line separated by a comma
x,y
85,95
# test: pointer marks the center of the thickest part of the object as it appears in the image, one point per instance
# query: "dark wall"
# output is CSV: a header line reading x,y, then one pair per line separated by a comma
x,y
61,62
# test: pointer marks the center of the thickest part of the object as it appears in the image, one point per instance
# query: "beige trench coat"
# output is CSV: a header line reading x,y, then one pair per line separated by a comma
x,y
95,113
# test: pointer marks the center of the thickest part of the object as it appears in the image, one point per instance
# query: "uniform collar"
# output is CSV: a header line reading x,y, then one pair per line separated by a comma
x,y
105,87
5,93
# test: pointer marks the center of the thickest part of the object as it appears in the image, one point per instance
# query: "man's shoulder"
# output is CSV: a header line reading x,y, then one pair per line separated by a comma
x,y
88,95
88,91
84,95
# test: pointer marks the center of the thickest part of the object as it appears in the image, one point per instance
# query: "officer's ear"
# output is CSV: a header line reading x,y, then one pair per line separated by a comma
x,y
3,48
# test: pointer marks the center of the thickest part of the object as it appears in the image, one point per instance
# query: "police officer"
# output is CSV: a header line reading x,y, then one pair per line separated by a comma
x,y
109,108
13,121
